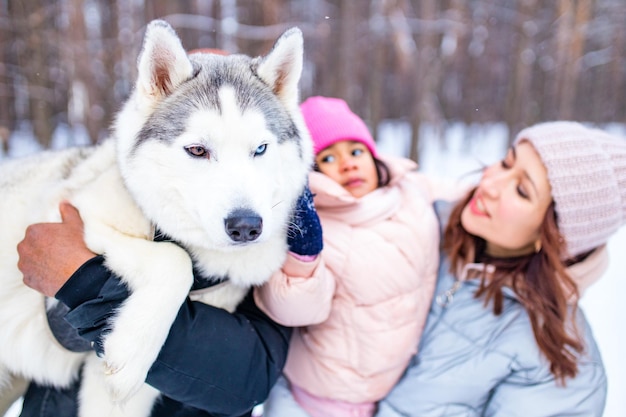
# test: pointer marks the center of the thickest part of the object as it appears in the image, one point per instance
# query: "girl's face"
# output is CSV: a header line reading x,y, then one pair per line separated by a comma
x,y
510,203
350,164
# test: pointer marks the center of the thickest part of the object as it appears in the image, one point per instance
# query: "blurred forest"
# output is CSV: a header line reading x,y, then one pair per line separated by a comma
x,y
72,62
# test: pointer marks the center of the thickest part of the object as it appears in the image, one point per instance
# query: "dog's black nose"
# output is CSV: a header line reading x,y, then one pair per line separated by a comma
x,y
243,225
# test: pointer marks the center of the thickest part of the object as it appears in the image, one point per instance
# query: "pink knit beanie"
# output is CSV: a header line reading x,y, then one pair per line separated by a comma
x,y
587,172
330,120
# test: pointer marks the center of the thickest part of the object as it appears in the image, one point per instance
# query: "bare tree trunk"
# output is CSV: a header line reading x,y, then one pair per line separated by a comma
x,y
258,15
7,97
573,16
182,9
111,56
518,98
427,67
33,26
615,78
571,71
85,98
347,55
377,64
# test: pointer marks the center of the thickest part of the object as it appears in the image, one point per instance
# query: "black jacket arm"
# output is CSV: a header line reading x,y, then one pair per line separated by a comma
x,y
212,360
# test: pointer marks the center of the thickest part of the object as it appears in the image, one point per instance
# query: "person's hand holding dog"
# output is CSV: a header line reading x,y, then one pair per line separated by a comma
x,y
51,252
305,232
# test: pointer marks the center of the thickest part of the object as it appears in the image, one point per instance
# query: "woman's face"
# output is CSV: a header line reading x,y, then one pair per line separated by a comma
x,y
350,164
510,203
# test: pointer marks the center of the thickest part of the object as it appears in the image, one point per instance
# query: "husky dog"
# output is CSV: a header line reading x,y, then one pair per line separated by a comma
x,y
211,151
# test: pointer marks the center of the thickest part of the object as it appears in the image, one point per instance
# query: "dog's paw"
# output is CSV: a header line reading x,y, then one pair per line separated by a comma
x,y
159,285
96,401
123,380
138,333
125,365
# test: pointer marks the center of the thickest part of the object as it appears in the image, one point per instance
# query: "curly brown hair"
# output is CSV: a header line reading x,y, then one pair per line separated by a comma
x,y
539,280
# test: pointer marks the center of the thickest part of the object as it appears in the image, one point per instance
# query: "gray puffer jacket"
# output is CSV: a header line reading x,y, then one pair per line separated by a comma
x,y
474,363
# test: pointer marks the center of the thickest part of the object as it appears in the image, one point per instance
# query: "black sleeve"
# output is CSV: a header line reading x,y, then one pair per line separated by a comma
x,y
213,360
92,293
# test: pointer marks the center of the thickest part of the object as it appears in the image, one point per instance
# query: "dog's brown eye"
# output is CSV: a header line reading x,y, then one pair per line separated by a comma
x,y
197,151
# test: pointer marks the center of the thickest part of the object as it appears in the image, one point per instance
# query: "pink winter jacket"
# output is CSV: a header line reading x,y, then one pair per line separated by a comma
x,y
367,302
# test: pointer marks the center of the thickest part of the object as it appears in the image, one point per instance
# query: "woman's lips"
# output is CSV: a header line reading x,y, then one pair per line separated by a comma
x,y
477,206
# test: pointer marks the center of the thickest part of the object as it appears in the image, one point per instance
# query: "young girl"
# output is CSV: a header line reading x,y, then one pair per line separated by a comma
x,y
381,251
504,335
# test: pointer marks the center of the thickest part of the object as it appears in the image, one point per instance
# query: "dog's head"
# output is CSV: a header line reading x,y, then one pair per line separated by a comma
x,y
212,147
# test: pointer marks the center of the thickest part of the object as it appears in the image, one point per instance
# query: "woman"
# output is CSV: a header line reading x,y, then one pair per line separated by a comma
x,y
504,335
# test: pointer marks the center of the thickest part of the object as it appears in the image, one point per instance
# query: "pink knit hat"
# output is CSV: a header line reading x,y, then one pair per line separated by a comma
x,y
587,173
330,120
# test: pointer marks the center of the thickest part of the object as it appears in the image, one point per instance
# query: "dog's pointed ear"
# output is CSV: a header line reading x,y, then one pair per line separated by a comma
x,y
281,68
163,63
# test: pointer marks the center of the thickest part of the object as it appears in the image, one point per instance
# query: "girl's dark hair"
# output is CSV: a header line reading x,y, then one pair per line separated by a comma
x,y
382,172
539,280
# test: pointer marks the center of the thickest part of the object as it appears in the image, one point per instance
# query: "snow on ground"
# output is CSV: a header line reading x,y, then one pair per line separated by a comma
x,y
464,150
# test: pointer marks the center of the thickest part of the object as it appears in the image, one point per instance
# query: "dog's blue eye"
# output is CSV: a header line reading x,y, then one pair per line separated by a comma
x,y
260,150
197,151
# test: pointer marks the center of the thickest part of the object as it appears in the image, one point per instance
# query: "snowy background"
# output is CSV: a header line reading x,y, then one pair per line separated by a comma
x,y
463,150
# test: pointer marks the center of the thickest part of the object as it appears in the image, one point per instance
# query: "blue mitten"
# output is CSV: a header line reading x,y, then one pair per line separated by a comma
x,y
305,231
